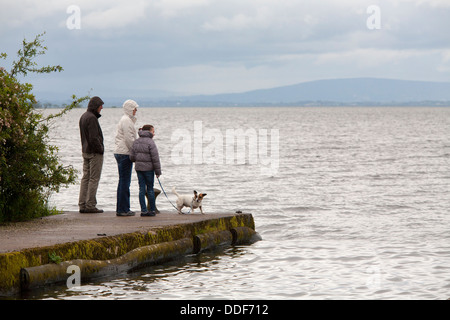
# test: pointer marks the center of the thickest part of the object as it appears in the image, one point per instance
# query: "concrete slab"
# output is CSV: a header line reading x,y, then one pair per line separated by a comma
x,y
109,241
73,226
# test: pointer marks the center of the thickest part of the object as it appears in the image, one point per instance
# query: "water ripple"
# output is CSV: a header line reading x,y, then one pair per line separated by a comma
x,y
357,210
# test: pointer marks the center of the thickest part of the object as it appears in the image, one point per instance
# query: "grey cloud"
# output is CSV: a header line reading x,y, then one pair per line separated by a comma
x,y
268,42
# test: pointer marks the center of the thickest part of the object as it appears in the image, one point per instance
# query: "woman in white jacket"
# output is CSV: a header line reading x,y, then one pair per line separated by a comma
x,y
125,136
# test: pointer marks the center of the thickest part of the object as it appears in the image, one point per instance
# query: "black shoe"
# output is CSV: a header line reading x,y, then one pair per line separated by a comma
x,y
94,210
148,214
125,214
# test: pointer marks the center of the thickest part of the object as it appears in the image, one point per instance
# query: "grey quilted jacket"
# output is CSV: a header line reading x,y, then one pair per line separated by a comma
x,y
145,153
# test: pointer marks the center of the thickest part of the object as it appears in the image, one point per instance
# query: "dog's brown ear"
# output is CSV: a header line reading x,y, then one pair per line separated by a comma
x,y
204,194
195,194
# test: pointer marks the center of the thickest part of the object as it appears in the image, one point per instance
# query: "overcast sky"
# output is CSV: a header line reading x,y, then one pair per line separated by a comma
x,y
128,48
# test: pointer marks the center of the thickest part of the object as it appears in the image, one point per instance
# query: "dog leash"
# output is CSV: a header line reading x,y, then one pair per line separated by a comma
x,y
169,199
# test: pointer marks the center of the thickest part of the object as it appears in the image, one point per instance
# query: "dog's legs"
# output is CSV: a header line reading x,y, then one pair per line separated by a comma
x,y
201,210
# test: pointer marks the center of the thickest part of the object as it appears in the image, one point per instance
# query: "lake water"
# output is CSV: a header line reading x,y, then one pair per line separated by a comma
x,y
355,204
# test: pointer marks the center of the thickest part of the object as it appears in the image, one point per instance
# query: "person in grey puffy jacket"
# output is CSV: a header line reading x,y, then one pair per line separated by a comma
x,y
147,164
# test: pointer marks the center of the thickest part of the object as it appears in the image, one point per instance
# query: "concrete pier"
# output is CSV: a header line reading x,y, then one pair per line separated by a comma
x,y
104,244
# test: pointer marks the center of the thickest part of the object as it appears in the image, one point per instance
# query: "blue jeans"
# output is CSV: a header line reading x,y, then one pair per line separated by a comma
x,y
123,189
146,180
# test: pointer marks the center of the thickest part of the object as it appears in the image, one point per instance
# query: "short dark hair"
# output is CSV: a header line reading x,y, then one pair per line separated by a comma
x,y
95,103
147,127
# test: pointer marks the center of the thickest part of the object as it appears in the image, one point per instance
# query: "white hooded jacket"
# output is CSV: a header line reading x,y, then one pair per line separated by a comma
x,y
126,132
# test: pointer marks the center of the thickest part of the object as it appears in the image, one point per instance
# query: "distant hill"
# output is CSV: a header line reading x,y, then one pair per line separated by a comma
x,y
334,92
369,91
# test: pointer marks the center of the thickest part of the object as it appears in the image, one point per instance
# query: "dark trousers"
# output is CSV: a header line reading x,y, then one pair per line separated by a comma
x,y
146,181
125,167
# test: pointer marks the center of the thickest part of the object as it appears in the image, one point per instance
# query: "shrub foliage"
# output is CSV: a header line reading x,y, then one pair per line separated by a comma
x,y
30,169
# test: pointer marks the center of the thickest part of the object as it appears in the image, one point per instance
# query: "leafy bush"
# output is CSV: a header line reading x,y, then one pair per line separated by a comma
x,y
29,167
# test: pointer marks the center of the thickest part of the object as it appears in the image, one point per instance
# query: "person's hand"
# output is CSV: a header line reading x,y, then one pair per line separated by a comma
x,y
157,176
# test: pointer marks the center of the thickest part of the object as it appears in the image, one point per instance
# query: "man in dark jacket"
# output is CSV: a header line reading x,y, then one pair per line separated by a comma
x,y
92,149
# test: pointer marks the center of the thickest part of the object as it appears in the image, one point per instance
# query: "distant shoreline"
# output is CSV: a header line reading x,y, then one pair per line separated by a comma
x,y
173,104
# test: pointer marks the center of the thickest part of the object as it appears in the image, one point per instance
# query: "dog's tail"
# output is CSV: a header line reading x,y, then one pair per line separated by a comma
x,y
175,192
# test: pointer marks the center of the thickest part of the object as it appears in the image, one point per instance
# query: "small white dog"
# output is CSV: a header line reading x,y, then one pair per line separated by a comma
x,y
189,201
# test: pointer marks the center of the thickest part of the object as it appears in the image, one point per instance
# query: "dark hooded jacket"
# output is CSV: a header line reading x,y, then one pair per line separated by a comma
x,y
90,131
145,153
